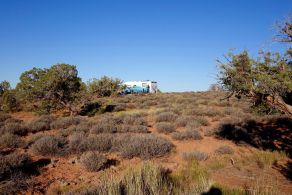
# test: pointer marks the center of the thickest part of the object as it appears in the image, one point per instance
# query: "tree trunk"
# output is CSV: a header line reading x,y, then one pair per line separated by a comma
x,y
278,103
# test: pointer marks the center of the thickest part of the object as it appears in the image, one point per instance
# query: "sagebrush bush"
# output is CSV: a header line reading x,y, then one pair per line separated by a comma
x,y
13,163
188,134
100,142
8,140
132,129
195,155
16,128
4,116
93,161
78,142
134,119
83,126
225,149
165,127
166,117
65,122
182,121
103,128
49,146
41,124
145,146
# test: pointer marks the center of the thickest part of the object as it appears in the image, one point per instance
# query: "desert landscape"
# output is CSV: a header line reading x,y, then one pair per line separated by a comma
x,y
145,97
180,143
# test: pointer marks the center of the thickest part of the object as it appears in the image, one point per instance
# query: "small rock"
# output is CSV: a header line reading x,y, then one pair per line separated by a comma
x,y
73,161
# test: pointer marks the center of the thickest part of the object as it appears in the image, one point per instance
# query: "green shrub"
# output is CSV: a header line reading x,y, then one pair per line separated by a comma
x,y
266,159
147,179
165,127
93,161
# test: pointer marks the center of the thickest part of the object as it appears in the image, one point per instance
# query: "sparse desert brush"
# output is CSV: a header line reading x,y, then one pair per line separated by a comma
x,y
41,124
165,127
145,146
266,159
65,122
49,146
8,140
195,155
93,161
225,149
103,128
166,117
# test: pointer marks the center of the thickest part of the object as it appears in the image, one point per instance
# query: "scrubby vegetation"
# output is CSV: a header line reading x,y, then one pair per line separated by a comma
x,y
77,138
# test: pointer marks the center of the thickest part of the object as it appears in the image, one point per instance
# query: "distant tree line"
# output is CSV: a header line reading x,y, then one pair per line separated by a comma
x,y
50,89
266,80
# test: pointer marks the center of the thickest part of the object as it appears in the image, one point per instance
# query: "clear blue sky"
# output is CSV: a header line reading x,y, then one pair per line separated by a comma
x,y
173,42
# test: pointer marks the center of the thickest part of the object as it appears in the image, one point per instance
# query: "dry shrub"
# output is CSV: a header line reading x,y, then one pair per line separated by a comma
x,y
93,161
101,142
195,155
225,149
187,135
14,127
182,121
83,126
145,146
13,163
134,119
4,116
103,128
165,127
8,140
132,129
41,124
79,142
49,146
65,122
166,117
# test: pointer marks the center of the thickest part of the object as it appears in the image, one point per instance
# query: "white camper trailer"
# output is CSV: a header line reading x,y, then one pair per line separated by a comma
x,y
141,86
